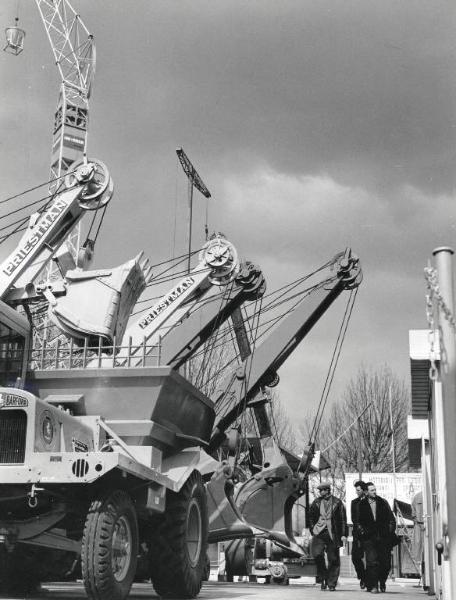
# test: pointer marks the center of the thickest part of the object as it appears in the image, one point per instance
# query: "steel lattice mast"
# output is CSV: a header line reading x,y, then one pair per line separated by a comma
x,y
73,48
74,52
194,180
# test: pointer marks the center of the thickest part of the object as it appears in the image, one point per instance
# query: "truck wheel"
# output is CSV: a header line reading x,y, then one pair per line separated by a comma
x,y
110,547
179,545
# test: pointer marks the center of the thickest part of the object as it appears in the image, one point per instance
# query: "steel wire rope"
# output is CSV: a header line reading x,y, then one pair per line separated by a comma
x,y
164,262
273,419
19,228
175,206
293,284
22,221
215,333
272,322
275,320
242,403
13,212
208,347
235,357
174,276
32,189
158,281
336,354
331,371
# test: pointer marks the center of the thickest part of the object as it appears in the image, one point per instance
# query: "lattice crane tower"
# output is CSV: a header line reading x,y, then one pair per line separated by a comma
x,y
74,52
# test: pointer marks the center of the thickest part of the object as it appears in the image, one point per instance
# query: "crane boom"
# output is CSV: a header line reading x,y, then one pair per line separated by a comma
x,y
259,368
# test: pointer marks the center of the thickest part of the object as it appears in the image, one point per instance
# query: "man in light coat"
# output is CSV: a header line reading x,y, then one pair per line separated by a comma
x,y
328,526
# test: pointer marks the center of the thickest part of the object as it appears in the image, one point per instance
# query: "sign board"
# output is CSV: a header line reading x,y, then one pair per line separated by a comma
x,y
407,485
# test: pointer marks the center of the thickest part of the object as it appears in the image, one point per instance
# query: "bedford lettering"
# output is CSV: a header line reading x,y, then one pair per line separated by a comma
x,y
170,298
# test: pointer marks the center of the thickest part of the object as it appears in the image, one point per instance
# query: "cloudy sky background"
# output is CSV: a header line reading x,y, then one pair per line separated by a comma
x,y
316,125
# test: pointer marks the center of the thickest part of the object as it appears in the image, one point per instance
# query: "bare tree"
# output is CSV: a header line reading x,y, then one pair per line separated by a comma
x,y
358,433
283,429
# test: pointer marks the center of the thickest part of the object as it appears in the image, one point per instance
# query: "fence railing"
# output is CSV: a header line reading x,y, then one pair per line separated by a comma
x,y
69,355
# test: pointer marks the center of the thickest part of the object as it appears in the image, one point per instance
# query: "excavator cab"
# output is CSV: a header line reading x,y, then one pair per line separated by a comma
x,y
14,346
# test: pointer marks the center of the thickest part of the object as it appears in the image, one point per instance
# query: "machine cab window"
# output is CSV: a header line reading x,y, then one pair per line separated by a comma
x,y
14,336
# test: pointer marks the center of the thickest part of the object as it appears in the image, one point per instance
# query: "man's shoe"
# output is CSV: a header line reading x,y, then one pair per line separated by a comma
x,y
362,585
324,585
332,588
374,591
383,587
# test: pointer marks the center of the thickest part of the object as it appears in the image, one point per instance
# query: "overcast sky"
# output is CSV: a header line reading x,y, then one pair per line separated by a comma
x,y
316,125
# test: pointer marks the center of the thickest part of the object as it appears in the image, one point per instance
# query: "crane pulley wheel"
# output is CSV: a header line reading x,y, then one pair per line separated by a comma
x,y
221,257
98,185
349,269
252,280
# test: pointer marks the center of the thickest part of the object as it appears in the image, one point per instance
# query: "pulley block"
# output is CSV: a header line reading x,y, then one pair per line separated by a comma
x,y
221,257
252,279
349,269
98,186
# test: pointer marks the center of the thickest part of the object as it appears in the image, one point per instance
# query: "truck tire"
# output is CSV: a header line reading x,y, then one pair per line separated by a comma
x,y
110,547
179,545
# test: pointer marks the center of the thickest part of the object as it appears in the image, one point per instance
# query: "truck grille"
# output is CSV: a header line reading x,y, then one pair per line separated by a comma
x,y
13,425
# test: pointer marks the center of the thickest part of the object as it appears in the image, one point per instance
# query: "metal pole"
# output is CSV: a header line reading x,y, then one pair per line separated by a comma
x,y
443,261
190,219
393,450
360,450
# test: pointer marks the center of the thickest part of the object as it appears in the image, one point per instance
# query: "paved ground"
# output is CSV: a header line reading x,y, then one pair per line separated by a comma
x,y
303,589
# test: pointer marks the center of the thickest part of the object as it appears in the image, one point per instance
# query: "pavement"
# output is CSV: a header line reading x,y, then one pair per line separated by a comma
x,y
299,589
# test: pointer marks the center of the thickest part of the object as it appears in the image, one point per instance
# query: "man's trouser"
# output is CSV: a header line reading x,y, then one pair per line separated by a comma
x,y
378,561
320,544
357,555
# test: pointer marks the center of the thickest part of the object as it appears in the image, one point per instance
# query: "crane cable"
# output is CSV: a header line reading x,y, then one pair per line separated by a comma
x,y
330,375
22,221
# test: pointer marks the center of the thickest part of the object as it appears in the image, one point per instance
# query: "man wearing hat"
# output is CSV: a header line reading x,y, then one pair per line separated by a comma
x,y
328,526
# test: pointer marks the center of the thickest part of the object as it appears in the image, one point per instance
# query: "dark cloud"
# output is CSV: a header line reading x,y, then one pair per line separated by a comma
x,y
363,90
316,125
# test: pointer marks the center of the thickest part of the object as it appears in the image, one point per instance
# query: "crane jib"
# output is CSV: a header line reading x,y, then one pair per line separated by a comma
x,y
39,230
167,301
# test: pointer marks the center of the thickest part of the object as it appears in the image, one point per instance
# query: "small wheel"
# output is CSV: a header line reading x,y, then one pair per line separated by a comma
x,y
179,545
281,580
110,547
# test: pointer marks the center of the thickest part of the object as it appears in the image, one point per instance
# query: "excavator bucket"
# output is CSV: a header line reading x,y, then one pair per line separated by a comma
x,y
98,304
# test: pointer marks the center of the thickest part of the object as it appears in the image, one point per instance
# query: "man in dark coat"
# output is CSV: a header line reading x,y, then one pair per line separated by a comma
x,y
376,525
357,554
328,526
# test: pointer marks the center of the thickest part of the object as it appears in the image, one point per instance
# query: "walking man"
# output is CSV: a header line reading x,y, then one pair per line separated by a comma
x,y
357,553
328,526
376,524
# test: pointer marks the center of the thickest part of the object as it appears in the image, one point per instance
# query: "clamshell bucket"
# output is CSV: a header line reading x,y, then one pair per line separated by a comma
x,y
98,304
